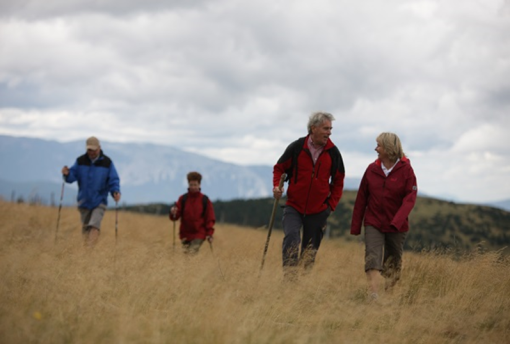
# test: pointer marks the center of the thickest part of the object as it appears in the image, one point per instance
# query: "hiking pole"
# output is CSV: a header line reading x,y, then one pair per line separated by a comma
x,y
217,260
173,244
116,219
271,221
60,206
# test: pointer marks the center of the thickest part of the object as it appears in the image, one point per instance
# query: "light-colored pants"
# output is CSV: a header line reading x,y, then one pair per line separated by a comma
x,y
92,217
383,251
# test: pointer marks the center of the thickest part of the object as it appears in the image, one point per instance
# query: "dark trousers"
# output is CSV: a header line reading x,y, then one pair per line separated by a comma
x,y
313,230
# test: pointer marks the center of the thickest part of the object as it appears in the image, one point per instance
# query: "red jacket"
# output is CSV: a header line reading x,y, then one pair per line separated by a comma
x,y
193,224
385,202
312,192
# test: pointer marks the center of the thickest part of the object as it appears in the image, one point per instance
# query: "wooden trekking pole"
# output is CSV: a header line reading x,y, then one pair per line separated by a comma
x,y
271,221
60,207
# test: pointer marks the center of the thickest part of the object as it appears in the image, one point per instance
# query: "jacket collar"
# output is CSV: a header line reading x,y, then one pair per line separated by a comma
x,y
194,194
403,160
328,145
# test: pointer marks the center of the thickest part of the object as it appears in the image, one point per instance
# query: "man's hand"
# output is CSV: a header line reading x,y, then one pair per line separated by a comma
x,y
277,192
209,238
173,211
116,196
65,171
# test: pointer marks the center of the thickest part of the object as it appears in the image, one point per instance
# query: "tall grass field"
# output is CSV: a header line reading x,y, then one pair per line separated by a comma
x,y
138,288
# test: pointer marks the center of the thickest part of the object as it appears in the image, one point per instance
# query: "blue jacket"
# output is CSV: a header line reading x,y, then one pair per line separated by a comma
x,y
94,180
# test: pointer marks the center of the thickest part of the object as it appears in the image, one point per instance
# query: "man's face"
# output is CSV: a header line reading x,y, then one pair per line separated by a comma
x,y
320,133
194,186
93,153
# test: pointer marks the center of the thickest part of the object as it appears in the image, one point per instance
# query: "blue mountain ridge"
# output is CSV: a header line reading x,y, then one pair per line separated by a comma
x,y
149,173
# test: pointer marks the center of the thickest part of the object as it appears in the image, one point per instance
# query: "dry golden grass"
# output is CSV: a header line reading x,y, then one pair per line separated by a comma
x,y
138,290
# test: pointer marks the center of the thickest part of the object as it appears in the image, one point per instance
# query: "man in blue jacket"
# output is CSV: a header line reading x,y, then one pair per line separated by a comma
x,y
96,176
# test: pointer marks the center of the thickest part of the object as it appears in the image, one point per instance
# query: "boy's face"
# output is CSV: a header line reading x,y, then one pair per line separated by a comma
x,y
194,186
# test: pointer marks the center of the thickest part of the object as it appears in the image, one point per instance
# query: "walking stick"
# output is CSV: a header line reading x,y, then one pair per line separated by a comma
x,y
271,221
217,260
115,247
60,207
173,245
116,219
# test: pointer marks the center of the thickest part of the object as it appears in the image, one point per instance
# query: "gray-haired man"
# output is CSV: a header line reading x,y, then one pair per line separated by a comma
x,y
315,173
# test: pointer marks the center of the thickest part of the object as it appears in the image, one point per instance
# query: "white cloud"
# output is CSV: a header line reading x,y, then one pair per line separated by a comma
x,y
485,138
237,81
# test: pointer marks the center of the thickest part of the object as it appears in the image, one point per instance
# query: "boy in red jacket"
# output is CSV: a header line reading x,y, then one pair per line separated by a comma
x,y
197,216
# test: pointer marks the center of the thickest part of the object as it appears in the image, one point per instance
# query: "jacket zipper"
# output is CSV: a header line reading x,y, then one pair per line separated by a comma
x,y
384,191
311,181
310,188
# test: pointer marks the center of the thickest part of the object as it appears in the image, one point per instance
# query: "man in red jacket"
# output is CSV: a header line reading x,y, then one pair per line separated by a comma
x,y
197,216
315,173
386,196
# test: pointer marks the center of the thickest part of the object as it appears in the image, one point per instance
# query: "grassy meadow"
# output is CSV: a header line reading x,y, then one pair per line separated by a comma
x,y
138,289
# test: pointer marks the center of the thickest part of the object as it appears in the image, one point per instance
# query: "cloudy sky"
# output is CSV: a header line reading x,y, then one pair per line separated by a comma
x,y
237,80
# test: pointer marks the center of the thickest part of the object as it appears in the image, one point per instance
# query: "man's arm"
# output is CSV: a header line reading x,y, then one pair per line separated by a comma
x,y
114,183
337,186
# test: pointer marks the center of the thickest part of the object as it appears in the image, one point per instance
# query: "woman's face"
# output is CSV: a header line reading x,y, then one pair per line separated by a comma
x,y
381,153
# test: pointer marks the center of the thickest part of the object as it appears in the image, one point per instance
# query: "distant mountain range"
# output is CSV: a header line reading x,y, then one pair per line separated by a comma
x,y
149,173
501,204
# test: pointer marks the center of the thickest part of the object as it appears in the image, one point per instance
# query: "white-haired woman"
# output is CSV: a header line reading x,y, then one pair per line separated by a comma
x,y
386,196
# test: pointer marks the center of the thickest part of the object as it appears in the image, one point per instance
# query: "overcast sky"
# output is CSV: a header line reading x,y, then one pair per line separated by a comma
x,y
237,80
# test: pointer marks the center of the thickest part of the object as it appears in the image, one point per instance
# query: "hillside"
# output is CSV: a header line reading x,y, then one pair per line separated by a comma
x,y
138,289
435,224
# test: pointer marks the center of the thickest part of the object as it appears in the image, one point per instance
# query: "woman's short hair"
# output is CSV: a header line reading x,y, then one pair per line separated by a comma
x,y
195,176
392,145
317,118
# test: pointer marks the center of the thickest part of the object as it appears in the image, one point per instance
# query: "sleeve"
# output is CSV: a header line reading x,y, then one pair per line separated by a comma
x,y
113,180
408,202
177,216
73,173
283,164
210,219
337,186
360,206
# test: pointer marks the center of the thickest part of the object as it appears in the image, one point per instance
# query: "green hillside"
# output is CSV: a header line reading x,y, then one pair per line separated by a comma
x,y
435,224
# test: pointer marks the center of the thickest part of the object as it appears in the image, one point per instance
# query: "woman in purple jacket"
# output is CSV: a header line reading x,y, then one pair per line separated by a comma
x,y
386,196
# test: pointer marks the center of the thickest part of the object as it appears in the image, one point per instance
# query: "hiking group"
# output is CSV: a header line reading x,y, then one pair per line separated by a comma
x,y
314,169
